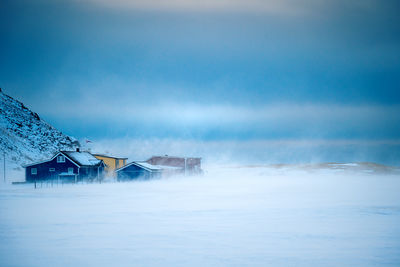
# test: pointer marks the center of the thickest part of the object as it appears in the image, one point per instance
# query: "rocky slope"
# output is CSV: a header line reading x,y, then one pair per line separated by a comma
x,y
25,137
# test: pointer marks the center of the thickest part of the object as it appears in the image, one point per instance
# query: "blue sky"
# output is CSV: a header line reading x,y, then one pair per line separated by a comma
x,y
206,70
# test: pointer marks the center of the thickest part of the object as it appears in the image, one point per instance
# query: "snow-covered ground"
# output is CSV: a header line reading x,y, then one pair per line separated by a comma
x,y
250,216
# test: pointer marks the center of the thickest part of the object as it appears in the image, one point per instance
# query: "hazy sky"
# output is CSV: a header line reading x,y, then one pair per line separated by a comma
x,y
206,70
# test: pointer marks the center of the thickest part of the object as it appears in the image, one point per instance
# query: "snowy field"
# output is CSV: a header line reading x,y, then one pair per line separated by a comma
x,y
260,216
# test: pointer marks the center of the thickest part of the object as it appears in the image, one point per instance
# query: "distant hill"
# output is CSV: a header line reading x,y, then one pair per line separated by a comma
x,y
25,137
354,167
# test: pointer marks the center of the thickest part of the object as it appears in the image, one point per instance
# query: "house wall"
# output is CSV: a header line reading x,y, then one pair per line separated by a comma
x,y
167,161
121,163
193,165
111,164
44,173
133,172
90,172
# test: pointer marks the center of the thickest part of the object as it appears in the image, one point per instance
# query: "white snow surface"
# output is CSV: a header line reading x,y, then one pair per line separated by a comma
x,y
260,216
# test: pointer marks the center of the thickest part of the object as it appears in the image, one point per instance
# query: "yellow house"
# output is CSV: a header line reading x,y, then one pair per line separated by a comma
x,y
112,163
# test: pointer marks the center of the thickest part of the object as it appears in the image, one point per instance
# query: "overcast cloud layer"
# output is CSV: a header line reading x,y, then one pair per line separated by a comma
x,y
207,70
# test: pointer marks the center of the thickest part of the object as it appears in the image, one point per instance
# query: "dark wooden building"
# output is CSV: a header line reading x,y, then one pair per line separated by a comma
x,y
66,165
138,171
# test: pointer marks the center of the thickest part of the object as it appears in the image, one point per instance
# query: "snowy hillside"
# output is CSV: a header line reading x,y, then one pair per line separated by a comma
x,y
25,137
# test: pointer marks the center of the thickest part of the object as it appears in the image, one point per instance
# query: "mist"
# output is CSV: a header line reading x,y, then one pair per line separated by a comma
x,y
239,152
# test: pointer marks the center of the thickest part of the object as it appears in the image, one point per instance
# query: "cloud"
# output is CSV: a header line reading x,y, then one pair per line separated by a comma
x,y
137,115
263,6
136,107
227,75
273,7
255,151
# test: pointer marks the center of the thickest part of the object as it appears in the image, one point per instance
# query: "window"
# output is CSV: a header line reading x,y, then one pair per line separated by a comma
x,y
116,163
60,159
70,170
51,169
33,171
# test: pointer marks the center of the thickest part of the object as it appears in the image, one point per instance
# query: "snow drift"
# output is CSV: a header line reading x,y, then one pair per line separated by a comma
x,y
247,216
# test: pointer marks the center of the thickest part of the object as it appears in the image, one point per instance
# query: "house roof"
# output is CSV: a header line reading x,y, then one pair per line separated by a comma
x,y
173,161
149,166
82,158
108,156
35,163
143,165
173,157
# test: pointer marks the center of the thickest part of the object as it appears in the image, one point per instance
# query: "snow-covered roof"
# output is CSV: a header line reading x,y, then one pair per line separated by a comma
x,y
164,167
144,165
82,158
35,163
78,158
148,165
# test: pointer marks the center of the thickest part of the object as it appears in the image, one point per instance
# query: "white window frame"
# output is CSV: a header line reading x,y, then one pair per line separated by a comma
x,y
52,169
60,159
70,170
33,171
